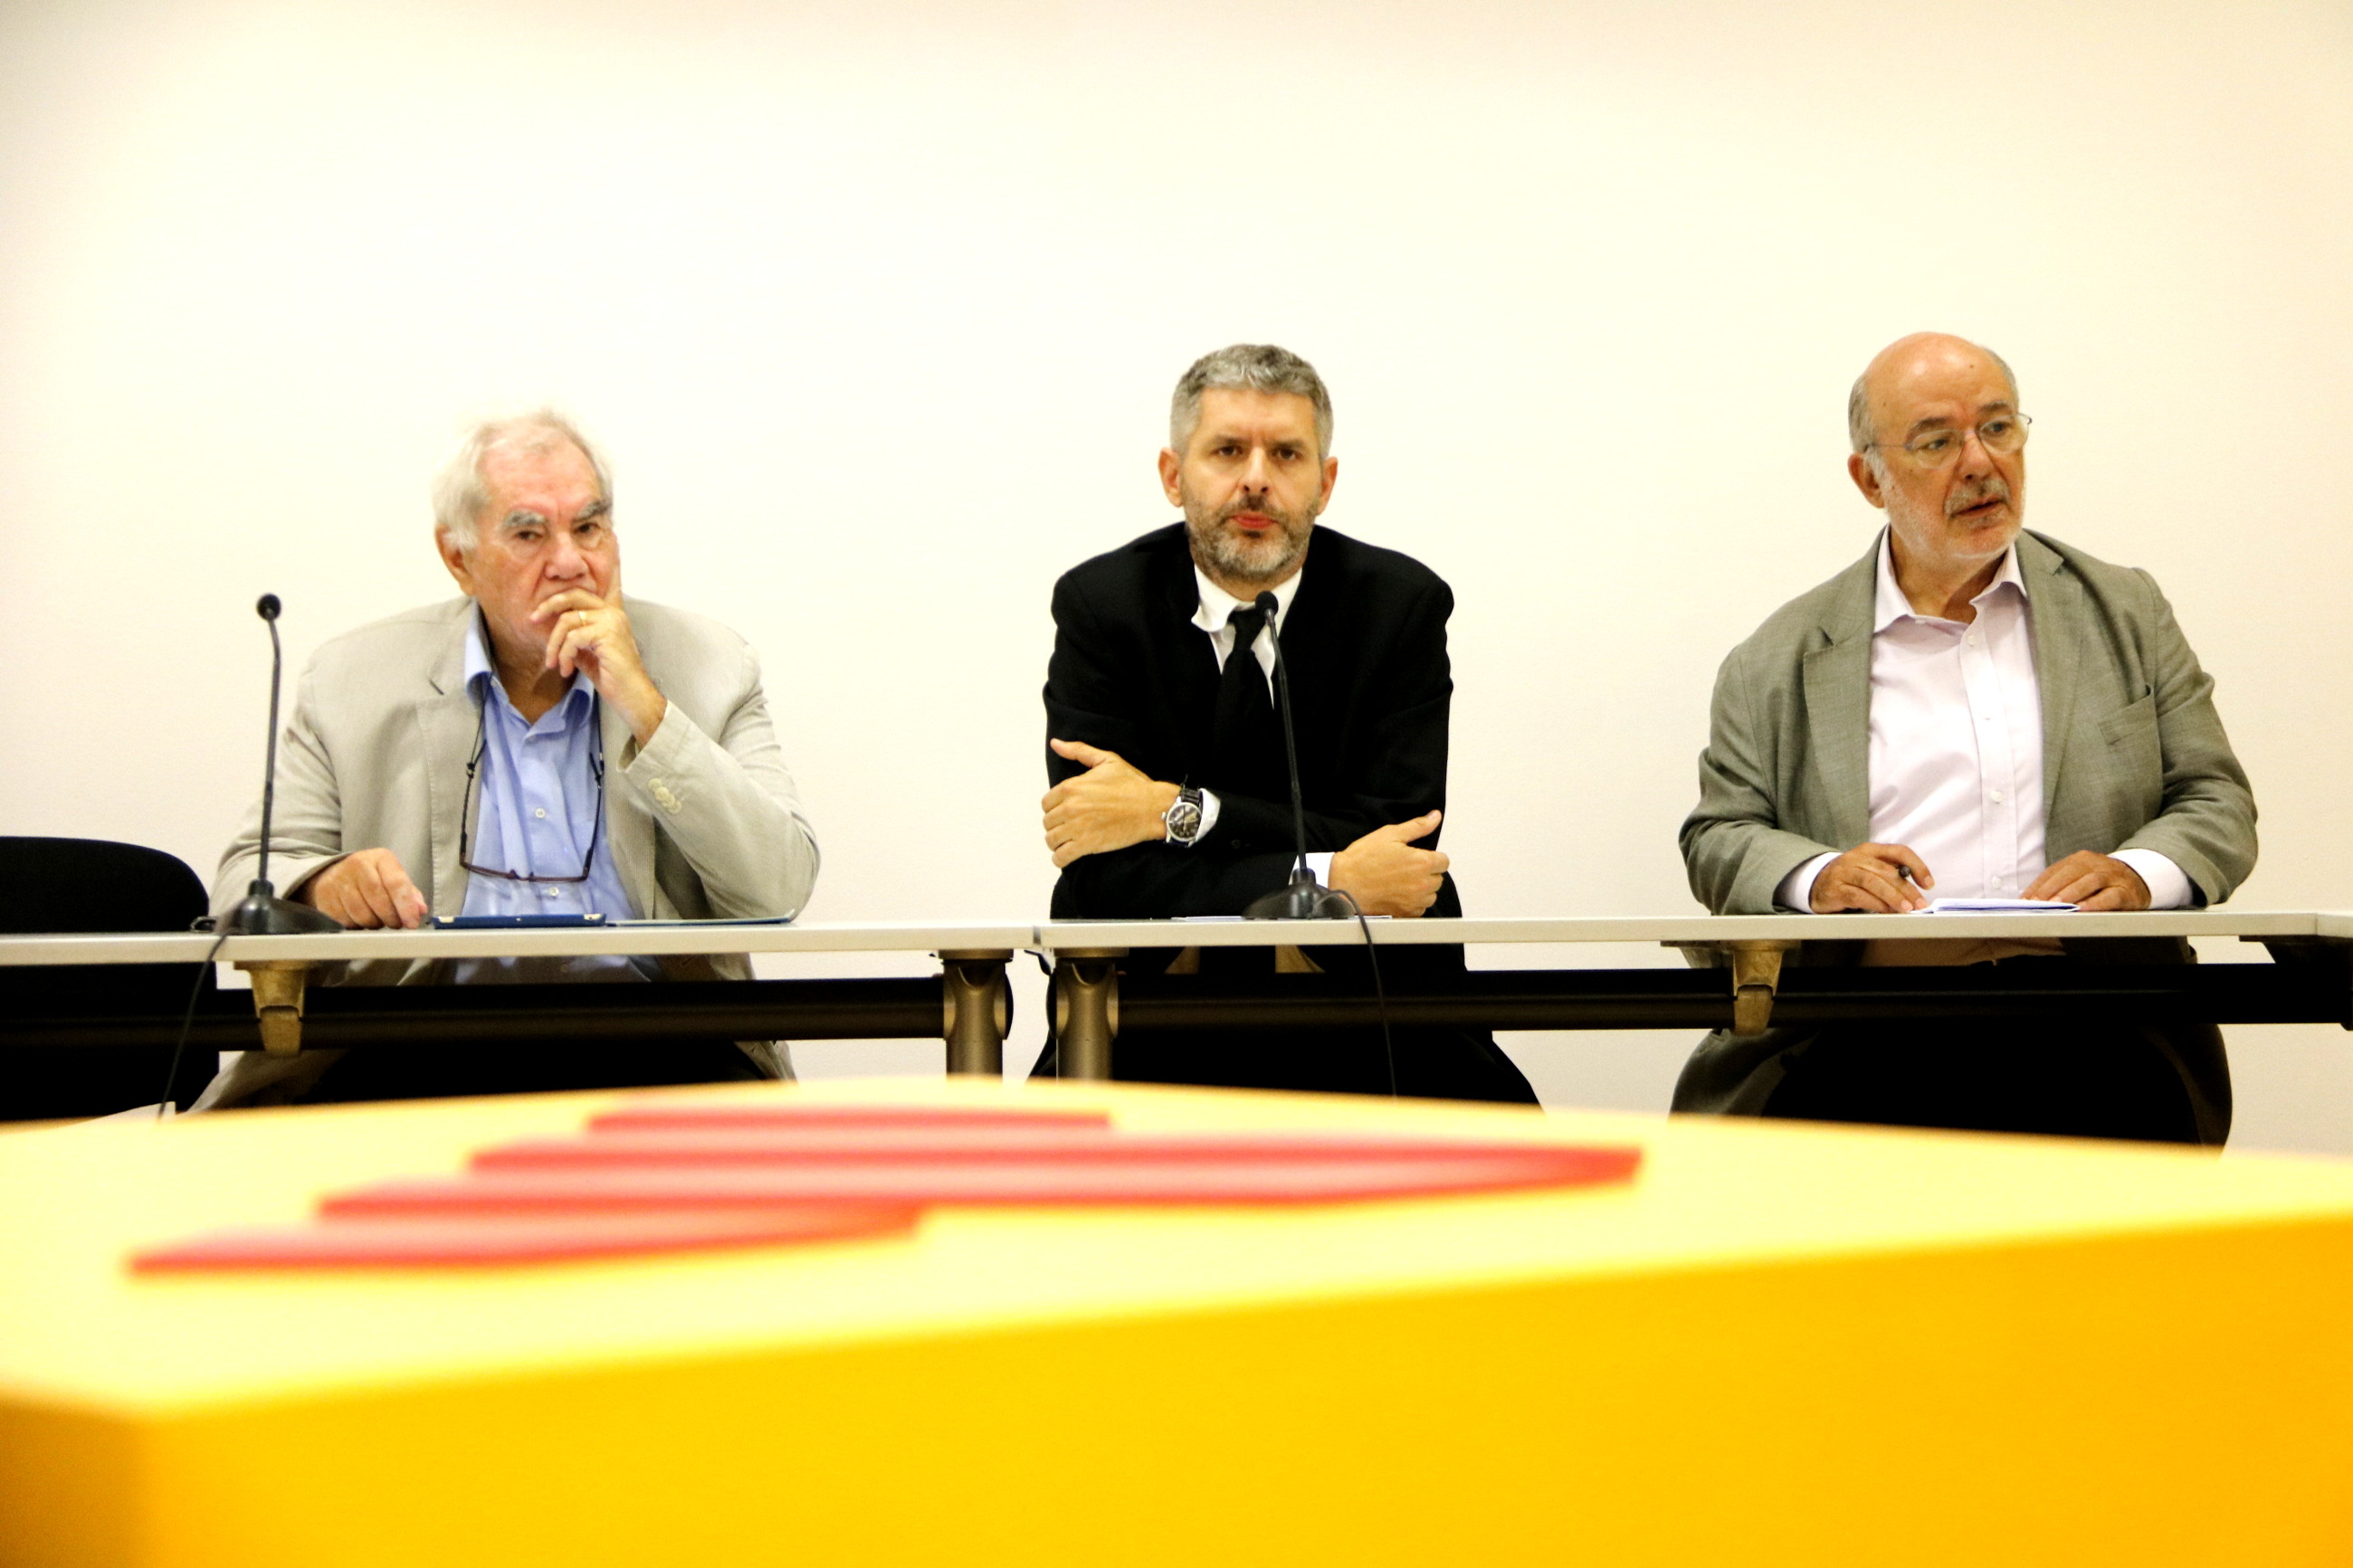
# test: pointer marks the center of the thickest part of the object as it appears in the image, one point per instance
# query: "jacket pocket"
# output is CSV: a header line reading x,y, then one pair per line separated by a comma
x,y
2136,756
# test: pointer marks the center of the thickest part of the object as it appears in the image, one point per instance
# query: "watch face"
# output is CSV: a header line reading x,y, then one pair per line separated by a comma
x,y
1184,820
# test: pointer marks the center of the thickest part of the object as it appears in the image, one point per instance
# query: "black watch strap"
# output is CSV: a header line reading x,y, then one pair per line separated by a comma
x,y
1182,818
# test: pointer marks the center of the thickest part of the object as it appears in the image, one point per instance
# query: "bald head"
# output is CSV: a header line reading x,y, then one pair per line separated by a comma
x,y
1903,365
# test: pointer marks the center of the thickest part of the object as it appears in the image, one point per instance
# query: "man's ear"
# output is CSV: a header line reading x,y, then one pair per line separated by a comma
x,y
456,560
1865,476
1170,466
1331,477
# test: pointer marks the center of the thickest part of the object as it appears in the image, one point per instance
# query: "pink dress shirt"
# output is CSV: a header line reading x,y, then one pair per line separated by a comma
x,y
1955,761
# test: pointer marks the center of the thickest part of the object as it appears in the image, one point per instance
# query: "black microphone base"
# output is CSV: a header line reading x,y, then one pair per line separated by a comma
x,y
1304,898
263,913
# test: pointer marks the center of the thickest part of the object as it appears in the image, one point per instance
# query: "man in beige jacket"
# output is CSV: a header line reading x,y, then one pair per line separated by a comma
x,y
537,747
1967,711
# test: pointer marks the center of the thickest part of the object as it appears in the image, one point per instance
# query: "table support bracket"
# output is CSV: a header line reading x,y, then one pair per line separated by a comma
x,y
978,1009
278,984
1086,1010
1756,976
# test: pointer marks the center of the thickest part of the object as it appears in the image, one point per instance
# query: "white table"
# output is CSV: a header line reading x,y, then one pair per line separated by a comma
x,y
969,1004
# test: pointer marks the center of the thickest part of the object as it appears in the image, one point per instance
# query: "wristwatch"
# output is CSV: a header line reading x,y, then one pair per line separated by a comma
x,y
1183,818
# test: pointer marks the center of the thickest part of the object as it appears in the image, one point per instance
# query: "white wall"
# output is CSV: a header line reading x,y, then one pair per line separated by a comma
x,y
876,306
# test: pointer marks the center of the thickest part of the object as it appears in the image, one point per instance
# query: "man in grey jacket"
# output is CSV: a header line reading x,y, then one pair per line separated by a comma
x,y
1970,711
537,747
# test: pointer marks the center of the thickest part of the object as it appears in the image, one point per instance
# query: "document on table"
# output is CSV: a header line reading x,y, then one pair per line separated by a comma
x,y
1996,907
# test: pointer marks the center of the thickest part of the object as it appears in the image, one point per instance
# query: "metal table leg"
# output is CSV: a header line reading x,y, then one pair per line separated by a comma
x,y
978,1007
1086,1009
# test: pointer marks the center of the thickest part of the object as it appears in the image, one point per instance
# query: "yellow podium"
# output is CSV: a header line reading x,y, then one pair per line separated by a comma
x,y
1776,1344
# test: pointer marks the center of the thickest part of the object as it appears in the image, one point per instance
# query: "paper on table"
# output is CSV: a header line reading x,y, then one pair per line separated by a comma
x,y
1996,907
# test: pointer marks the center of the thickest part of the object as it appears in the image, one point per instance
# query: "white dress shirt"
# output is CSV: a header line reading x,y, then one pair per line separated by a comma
x,y
1216,605
1956,758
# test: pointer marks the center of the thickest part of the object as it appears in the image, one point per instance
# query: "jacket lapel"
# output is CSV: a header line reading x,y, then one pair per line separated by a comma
x,y
447,722
2061,631
1837,809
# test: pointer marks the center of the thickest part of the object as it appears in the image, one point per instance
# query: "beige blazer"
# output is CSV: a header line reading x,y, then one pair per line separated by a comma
x,y
704,820
2134,756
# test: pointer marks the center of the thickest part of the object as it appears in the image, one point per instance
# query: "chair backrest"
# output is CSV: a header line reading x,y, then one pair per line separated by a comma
x,y
81,885
94,885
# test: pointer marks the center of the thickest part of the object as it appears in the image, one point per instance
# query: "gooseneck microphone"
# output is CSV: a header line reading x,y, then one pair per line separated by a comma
x,y
263,912
1303,898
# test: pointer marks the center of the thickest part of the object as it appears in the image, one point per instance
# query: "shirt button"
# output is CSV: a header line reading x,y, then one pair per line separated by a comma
x,y
1997,797
540,812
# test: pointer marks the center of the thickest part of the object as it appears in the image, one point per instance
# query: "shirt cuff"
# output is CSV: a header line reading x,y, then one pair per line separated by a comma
x,y
1797,889
1208,818
1319,862
2169,885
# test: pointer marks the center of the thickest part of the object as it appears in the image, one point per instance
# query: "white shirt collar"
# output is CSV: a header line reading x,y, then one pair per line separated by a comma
x,y
1891,606
1217,605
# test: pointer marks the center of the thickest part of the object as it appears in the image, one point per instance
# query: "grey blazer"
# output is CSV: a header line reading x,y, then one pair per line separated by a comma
x,y
2134,756
704,820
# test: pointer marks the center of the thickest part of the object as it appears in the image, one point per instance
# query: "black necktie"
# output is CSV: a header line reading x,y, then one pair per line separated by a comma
x,y
1248,743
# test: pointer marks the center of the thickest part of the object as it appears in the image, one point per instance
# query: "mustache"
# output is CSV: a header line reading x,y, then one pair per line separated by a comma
x,y
1264,508
1991,488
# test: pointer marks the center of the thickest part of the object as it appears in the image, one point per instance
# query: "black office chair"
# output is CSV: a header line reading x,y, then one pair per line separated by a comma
x,y
55,885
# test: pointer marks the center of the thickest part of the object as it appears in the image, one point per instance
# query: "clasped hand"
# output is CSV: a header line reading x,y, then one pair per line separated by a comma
x,y
1114,803
585,632
1109,806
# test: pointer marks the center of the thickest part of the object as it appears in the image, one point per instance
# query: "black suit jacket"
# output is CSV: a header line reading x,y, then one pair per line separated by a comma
x,y
1370,687
1364,642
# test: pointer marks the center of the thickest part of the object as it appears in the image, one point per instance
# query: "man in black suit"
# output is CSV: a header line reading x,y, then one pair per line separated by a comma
x,y
1170,793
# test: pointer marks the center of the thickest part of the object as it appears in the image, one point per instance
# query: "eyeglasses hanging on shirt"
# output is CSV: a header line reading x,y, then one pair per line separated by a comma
x,y
473,798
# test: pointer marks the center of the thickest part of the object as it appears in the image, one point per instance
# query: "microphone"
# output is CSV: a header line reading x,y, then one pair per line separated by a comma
x,y
261,913
1302,897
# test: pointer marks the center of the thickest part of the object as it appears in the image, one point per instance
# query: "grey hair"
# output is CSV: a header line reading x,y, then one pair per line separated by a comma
x,y
459,493
1251,367
1858,404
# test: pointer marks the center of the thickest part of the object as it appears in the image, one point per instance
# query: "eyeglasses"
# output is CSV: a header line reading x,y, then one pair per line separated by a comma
x,y
2001,435
473,800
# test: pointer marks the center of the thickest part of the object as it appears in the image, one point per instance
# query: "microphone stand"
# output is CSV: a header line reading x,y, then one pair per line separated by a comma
x,y
263,912
1302,897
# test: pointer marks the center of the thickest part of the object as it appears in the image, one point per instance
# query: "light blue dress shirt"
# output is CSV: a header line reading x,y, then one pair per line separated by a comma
x,y
539,805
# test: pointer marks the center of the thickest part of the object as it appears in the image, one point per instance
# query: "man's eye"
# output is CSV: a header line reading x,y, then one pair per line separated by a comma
x,y
1932,443
1994,429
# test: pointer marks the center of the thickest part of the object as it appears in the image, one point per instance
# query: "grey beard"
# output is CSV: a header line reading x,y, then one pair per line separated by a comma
x,y
1230,555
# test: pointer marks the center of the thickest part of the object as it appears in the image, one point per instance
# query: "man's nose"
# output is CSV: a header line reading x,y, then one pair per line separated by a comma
x,y
1975,458
564,561
1256,475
